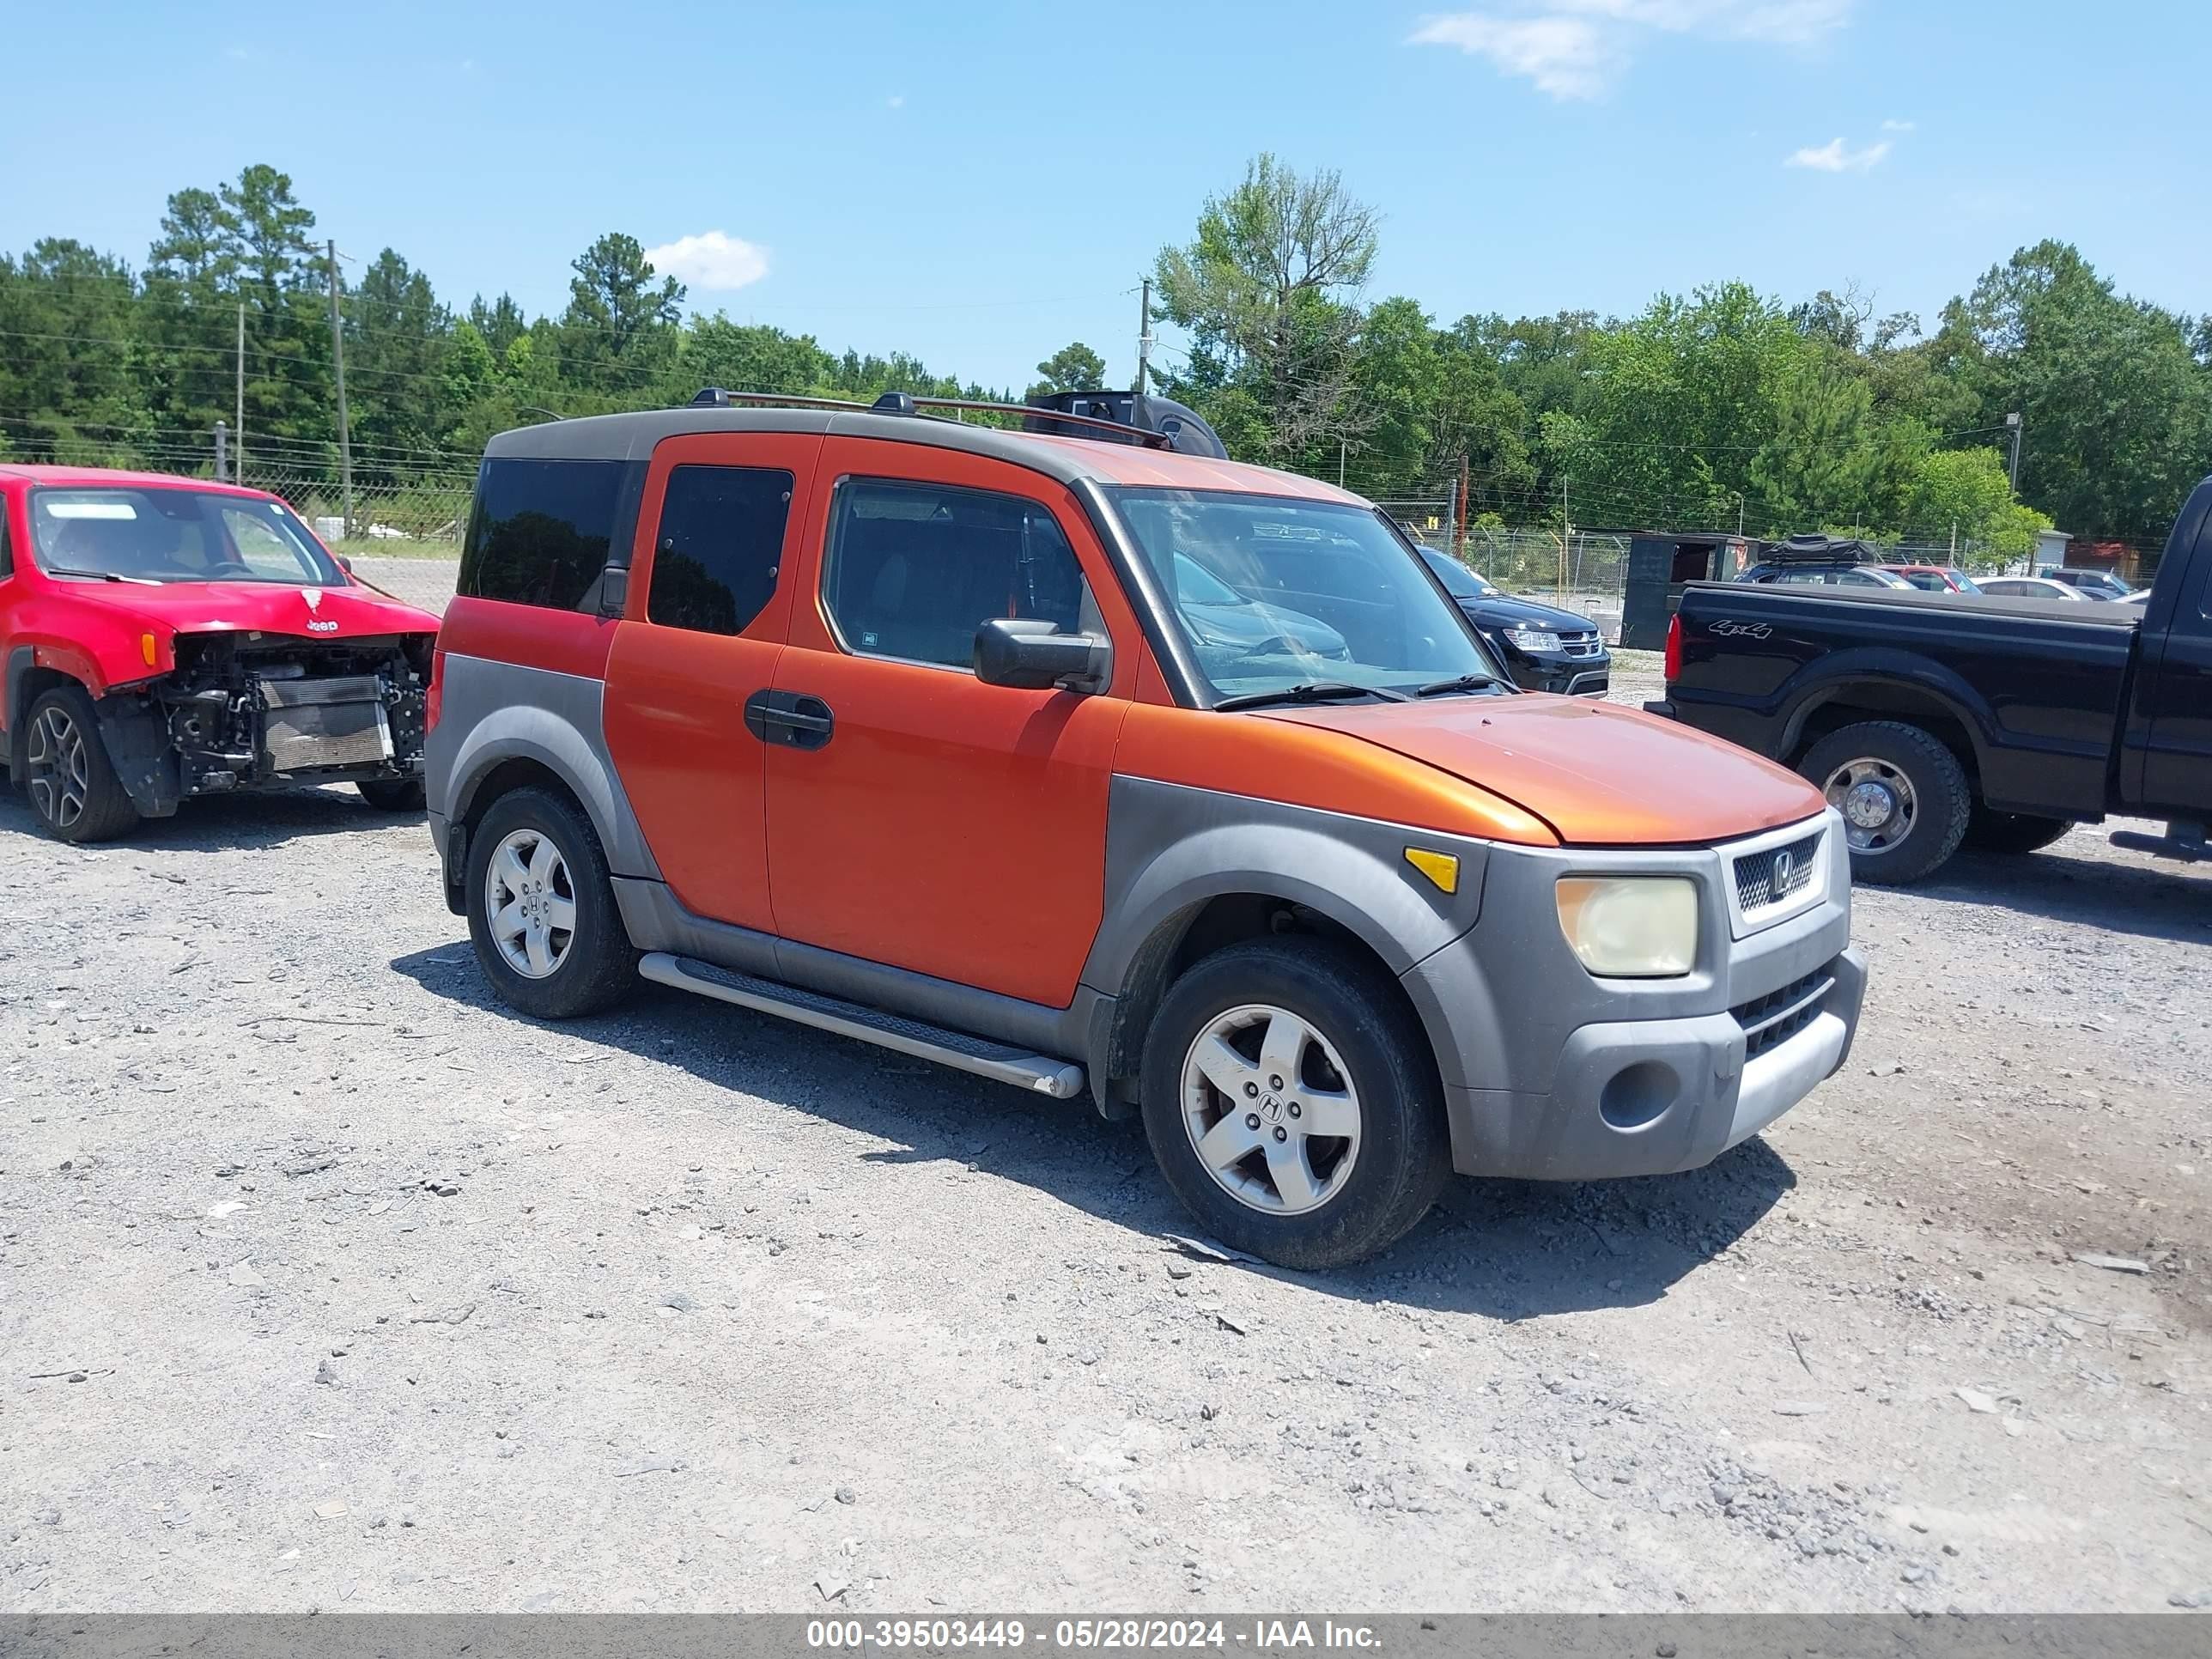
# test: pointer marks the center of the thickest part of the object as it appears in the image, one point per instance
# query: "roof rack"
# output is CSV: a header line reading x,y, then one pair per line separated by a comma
x,y
904,403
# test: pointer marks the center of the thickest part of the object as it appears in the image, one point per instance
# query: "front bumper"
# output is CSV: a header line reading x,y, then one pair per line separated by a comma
x,y
1569,677
1637,1097
1551,1074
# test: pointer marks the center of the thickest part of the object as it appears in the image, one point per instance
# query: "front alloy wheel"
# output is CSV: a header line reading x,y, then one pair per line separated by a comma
x,y
1269,1110
59,768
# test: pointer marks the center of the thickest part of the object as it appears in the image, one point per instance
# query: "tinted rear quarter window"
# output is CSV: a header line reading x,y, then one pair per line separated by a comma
x,y
540,530
718,548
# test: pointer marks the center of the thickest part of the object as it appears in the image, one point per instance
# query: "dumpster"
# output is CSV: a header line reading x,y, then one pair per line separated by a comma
x,y
1660,564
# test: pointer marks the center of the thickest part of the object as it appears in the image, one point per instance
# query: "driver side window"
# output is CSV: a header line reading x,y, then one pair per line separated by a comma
x,y
915,569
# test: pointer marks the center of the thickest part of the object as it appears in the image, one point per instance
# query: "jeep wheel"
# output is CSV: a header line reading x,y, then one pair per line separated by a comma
x,y
74,789
1290,1101
542,912
392,794
1902,794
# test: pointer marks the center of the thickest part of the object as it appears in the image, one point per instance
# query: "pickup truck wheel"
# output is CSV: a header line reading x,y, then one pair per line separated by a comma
x,y
1902,794
1292,1103
74,789
392,794
2012,832
542,912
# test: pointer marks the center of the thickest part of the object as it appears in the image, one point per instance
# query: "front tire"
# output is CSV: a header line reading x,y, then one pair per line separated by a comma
x,y
542,911
74,792
1293,1104
392,794
1902,794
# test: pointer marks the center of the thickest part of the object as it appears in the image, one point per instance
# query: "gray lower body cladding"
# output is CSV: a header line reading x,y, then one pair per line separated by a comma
x,y
1547,1072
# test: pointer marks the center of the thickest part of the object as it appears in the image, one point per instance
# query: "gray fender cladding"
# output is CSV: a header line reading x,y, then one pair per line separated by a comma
x,y
495,711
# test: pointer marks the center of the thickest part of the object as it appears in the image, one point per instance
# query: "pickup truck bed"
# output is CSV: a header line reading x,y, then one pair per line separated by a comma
x,y
2001,721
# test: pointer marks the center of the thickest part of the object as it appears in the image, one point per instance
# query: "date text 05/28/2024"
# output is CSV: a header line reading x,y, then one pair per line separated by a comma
x,y
1252,1636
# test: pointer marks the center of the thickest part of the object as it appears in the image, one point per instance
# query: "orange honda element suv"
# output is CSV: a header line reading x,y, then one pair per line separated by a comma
x,y
1079,757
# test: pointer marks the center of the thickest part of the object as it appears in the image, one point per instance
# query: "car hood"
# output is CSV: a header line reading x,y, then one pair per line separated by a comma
x,y
1504,610
343,613
1600,774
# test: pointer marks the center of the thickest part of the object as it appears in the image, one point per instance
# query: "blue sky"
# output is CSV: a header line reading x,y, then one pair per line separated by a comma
x,y
980,183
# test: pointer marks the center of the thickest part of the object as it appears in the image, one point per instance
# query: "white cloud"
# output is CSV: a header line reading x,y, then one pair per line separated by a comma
x,y
710,260
1564,56
897,100
1579,48
1835,156
1898,126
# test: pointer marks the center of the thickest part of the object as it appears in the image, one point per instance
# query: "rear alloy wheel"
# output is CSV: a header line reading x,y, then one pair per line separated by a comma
x,y
1902,794
542,911
74,789
1292,1104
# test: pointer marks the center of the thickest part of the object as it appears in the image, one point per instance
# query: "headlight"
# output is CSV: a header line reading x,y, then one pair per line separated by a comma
x,y
1631,927
1533,639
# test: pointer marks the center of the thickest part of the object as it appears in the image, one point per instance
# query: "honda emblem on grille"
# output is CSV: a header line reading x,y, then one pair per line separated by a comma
x,y
1784,867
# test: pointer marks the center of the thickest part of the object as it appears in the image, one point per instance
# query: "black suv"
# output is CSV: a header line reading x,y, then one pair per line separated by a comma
x,y
1542,647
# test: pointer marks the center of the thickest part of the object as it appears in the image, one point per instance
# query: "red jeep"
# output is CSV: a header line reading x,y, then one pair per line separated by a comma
x,y
162,638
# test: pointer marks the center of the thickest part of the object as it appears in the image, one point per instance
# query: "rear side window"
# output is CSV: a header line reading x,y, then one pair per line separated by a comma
x,y
7,554
916,570
719,546
540,530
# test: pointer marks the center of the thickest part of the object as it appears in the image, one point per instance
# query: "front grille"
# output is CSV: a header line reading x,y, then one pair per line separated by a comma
x,y
1580,645
1770,1021
1777,873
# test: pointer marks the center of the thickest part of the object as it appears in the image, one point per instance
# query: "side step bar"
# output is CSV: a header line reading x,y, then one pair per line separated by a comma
x,y
1062,1079
2183,840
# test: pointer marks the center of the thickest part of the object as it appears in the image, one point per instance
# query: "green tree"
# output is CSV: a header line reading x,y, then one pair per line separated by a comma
x,y
619,330
1267,289
2117,411
1073,368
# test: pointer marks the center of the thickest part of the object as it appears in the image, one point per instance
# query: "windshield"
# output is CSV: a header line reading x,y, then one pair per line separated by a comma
x,y
1324,594
1459,582
161,535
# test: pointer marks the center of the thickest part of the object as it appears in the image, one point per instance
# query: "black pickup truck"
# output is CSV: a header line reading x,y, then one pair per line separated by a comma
x,y
1931,718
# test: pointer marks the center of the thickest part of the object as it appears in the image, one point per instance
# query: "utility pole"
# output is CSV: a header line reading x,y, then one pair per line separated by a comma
x,y
1459,524
1144,335
221,455
1341,444
238,425
338,362
1566,528
2017,426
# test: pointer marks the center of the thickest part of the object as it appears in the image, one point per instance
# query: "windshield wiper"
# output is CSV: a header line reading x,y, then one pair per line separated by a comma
x,y
1462,683
101,575
1311,691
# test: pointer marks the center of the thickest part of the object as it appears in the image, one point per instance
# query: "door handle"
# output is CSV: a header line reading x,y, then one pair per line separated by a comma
x,y
789,720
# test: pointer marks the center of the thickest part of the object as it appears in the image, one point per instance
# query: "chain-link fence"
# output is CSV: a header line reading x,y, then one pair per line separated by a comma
x,y
423,517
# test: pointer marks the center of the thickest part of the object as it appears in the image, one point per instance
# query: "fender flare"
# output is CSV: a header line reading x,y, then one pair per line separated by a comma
x,y
1356,881
525,732
1834,676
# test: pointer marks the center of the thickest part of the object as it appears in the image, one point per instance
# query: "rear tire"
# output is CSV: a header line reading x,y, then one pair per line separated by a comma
x,y
542,911
1903,795
2012,832
75,794
392,794
1304,1036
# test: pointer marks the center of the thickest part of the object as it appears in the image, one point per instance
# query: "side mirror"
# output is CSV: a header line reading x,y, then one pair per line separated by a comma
x,y
1035,656
614,590
344,564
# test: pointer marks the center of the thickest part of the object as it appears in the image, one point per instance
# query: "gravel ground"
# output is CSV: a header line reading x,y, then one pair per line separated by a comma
x,y
328,1285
